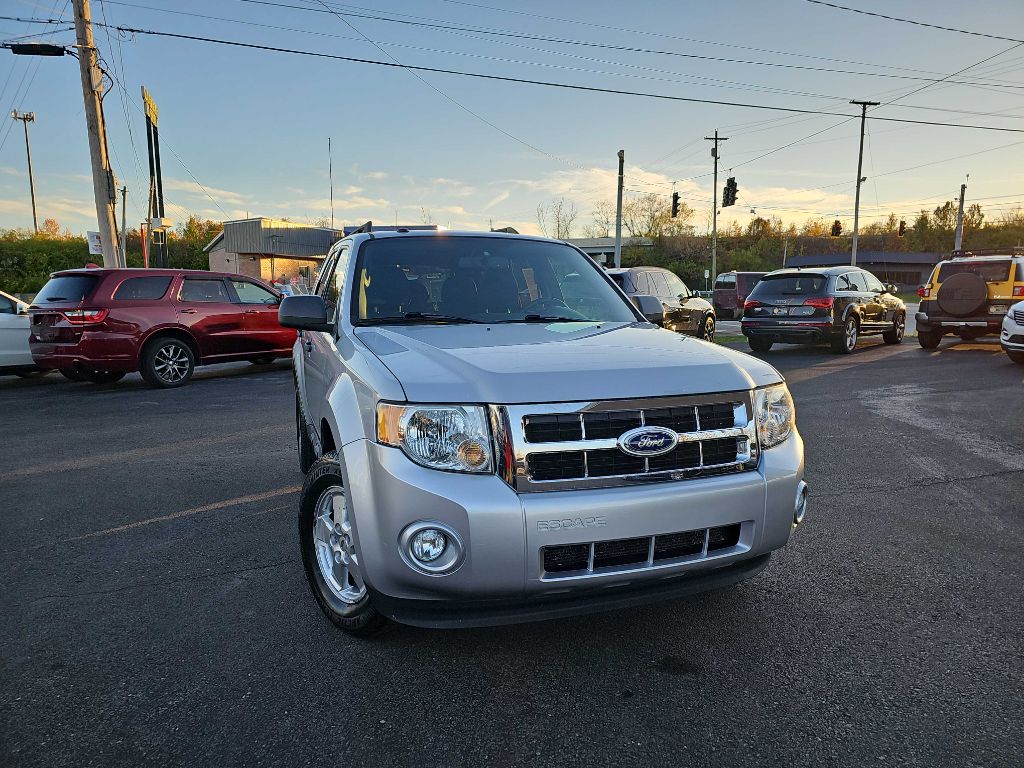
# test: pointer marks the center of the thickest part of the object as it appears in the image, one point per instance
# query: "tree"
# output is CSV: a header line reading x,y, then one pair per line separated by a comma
x,y
556,219
973,217
650,215
603,220
944,216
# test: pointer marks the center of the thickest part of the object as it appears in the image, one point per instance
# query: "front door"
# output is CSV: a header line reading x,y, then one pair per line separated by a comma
x,y
204,306
14,334
262,332
319,352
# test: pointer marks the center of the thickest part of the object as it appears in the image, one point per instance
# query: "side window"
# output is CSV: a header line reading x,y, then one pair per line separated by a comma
x,y
250,293
873,283
658,284
334,282
843,284
200,289
857,281
640,282
142,288
7,306
326,269
677,287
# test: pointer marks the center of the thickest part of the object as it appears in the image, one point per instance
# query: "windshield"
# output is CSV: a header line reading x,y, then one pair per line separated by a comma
x,y
482,280
990,271
790,285
65,289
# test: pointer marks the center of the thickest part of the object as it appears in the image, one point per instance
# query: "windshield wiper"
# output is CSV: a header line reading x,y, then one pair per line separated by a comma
x,y
547,319
55,298
417,317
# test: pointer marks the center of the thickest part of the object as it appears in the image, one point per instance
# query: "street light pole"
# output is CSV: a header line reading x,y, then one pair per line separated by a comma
x,y
618,210
714,208
860,166
26,118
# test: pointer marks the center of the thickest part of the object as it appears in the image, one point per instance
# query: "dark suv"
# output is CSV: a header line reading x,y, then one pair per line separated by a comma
x,y
681,309
837,305
99,324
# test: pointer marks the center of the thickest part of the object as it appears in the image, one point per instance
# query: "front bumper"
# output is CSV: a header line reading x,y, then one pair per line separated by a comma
x,y
1011,336
502,576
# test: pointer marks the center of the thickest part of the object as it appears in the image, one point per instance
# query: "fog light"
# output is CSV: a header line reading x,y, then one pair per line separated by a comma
x,y
428,545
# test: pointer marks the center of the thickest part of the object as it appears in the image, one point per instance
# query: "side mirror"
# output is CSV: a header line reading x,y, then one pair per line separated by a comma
x,y
650,307
306,313
891,288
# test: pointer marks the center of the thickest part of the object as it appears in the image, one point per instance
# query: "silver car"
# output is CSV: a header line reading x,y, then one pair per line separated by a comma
x,y
491,432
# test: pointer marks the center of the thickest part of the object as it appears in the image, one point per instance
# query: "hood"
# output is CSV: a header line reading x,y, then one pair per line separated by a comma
x,y
560,362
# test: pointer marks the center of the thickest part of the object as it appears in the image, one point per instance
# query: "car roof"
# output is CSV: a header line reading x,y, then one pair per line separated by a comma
x,y
813,271
986,257
147,272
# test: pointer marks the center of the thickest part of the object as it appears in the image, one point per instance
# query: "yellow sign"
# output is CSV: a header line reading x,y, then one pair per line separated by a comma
x,y
151,111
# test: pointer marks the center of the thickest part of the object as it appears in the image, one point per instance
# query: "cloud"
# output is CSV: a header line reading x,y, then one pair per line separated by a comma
x,y
222,196
497,199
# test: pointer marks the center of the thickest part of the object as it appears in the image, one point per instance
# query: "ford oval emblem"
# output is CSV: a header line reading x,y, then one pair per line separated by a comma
x,y
648,441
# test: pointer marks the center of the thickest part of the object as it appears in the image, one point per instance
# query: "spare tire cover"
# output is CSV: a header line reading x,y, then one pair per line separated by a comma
x,y
962,294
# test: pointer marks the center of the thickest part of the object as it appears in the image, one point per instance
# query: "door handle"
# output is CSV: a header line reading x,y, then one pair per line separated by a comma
x,y
308,345
187,311
252,311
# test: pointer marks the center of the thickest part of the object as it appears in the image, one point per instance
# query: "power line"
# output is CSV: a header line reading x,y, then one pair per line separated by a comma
x,y
447,27
915,22
551,84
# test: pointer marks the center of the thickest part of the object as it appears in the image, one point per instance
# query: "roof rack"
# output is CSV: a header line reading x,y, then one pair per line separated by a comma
x,y
1013,250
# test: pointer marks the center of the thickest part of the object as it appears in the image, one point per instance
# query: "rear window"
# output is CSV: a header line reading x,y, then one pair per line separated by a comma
x,y
991,271
142,288
66,289
790,285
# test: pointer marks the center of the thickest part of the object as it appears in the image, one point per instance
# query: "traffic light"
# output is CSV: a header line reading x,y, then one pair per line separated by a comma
x,y
675,204
837,228
729,192
903,229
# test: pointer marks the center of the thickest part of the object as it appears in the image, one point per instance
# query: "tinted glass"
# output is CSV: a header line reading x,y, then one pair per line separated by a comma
x,y
620,280
676,287
250,293
640,283
857,281
873,283
725,281
790,285
204,290
66,288
142,288
7,306
659,283
991,271
335,281
484,279
843,283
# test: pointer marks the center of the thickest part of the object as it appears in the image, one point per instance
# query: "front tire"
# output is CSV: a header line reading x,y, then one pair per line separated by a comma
x,y
899,327
846,343
329,554
707,331
1015,356
167,362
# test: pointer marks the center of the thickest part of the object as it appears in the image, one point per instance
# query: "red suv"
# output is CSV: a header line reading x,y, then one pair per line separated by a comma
x,y
99,324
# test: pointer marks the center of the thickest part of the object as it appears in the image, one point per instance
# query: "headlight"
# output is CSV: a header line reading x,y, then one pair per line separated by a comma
x,y
774,413
452,437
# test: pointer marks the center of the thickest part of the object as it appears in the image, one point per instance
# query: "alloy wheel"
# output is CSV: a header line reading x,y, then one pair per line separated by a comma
x,y
171,363
851,334
709,329
901,326
335,547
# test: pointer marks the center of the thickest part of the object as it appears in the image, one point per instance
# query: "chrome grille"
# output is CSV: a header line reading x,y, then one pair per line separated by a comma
x,y
565,446
1018,316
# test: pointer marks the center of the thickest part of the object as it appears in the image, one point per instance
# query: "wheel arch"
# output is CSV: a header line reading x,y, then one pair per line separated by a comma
x,y
175,332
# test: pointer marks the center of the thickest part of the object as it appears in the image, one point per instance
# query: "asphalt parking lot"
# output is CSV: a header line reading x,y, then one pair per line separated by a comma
x,y
154,609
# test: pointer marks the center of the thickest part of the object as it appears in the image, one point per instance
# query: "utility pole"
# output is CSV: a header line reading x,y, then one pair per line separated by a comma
x,y
92,89
714,208
26,118
860,166
124,226
959,241
618,211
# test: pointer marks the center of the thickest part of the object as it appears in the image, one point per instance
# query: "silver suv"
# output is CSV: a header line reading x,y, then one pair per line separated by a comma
x,y
491,432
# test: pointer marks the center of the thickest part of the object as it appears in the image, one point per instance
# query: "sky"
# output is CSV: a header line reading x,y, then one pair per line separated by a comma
x,y
244,132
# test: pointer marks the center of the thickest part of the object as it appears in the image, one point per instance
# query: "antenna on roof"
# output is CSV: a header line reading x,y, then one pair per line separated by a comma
x,y
367,227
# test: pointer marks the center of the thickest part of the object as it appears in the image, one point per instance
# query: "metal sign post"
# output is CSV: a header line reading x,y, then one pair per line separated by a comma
x,y
158,251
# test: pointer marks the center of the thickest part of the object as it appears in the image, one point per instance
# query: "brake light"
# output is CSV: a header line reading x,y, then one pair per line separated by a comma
x,y
85,316
750,304
820,302
924,291
1018,290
